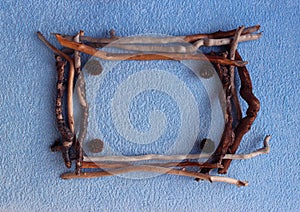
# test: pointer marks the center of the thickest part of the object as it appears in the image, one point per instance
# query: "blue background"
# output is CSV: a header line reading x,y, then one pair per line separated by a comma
x,y
29,172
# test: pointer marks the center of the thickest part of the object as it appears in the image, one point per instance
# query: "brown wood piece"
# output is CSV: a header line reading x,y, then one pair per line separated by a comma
x,y
95,165
245,123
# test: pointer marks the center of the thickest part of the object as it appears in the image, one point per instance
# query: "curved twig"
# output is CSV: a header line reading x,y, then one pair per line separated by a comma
x,y
263,150
233,48
66,133
162,170
100,42
179,47
135,56
245,123
70,80
110,165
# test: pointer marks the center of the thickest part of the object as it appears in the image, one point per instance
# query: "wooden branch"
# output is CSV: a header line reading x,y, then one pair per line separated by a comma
x,y
133,56
146,157
66,133
83,105
221,34
233,48
162,170
70,80
245,123
260,151
226,138
109,165
174,39
264,150
179,47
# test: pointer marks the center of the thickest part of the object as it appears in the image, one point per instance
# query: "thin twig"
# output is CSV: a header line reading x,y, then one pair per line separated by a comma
x,y
179,47
109,165
233,48
220,34
189,38
83,105
263,150
162,170
134,56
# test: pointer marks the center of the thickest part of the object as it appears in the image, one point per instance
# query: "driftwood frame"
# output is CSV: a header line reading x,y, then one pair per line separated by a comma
x,y
225,63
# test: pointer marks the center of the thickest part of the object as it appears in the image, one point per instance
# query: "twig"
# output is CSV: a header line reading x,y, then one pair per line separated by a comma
x,y
260,151
70,80
109,165
175,39
226,138
146,157
221,34
264,150
179,47
134,56
66,133
233,48
245,123
83,105
146,168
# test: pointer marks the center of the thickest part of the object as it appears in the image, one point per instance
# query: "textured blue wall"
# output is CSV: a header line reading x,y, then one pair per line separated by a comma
x,y
29,172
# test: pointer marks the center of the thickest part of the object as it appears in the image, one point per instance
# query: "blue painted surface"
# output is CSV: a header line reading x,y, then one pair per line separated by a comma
x,y
30,172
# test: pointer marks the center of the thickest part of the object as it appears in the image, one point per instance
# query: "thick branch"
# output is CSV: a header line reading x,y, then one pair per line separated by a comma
x,y
245,123
67,133
226,138
70,81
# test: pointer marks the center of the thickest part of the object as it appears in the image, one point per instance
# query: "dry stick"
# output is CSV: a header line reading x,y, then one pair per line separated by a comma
x,y
226,138
178,48
66,133
221,34
133,56
264,150
189,38
233,48
245,123
83,105
70,80
228,134
162,170
109,165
